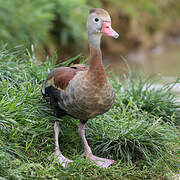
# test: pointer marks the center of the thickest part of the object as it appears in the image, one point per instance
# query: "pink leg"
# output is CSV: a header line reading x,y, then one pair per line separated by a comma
x,y
100,162
61,159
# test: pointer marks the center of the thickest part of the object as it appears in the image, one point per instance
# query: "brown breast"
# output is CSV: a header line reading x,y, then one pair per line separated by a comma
x,y
84,100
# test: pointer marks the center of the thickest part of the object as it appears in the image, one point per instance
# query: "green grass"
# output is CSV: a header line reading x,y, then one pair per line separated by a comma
x,y
141,132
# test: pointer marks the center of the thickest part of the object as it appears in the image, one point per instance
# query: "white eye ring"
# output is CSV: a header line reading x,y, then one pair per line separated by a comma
x,y
96,20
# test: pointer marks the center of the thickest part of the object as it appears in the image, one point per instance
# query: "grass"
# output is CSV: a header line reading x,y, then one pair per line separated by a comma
x,y
141,132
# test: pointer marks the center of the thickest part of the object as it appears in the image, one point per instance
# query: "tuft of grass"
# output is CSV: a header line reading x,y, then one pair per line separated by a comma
x,y
141,132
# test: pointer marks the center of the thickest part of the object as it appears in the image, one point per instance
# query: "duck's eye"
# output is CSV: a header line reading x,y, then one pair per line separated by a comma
x,y
96,20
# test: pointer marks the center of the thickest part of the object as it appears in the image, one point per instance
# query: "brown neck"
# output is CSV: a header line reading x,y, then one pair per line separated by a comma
x,y
96,73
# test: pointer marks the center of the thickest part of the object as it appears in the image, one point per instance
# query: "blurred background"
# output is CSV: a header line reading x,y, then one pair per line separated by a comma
x,y
149,31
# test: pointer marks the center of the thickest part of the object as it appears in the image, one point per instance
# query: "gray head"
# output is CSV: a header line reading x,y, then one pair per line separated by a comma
x,y
99,23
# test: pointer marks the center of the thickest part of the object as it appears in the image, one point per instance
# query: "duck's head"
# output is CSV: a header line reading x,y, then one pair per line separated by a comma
x,y
99,23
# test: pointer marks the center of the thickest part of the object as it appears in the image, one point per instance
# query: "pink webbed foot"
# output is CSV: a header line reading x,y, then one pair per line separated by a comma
x,y
58,155
100,162
61,159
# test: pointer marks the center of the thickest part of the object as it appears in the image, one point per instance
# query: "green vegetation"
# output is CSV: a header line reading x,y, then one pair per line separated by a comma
x,y
26,22
42,21
56,23
141,131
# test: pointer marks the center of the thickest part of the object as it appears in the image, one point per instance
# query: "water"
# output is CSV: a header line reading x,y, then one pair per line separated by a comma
x,y
162,61
166,63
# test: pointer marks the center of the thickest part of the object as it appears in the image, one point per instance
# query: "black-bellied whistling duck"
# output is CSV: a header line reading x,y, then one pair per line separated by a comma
x,y
83,92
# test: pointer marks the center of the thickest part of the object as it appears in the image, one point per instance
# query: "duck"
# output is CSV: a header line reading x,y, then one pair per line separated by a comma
x,y
80,91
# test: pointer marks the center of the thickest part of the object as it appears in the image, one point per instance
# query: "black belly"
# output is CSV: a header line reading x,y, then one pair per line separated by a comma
x,y
52,96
